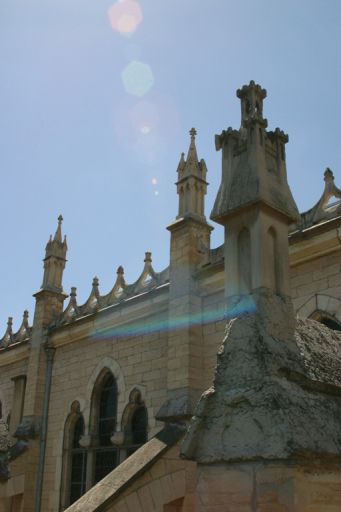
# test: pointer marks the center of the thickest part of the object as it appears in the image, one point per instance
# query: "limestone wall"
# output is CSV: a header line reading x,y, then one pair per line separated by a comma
x,y
268,487
136,361
7,373
321,276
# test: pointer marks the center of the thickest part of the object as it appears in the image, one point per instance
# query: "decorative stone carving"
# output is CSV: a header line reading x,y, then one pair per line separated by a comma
x,y
4,451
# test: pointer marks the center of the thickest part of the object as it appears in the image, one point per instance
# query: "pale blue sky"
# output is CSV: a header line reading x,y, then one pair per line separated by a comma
x,y
74,141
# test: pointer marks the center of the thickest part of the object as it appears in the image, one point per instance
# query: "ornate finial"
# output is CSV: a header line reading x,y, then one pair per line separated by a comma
x,y
23,330
25,318
95,282
73,293
328,175
120,270
193,133
58,234
182,164
8,337
148,257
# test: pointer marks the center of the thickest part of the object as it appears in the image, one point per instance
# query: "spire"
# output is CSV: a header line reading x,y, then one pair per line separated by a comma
x,y
55,258
58,234
192,156
191,184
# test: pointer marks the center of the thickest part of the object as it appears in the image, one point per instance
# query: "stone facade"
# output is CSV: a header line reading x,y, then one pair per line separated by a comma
x,y
216,325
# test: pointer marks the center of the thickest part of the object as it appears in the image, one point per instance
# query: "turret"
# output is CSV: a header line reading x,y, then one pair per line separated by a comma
x,y
54,261
190,244
191,184
254,201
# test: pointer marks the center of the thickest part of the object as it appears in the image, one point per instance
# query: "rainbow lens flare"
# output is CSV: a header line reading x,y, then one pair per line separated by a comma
x,y
125,16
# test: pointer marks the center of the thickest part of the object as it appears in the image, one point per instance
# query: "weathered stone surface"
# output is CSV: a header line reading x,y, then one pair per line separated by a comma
x,y
4,447
253,162
29,428
272,398
180,404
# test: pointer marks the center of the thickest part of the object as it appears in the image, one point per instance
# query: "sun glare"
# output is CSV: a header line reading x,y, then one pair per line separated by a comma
x,y
125,16
137,78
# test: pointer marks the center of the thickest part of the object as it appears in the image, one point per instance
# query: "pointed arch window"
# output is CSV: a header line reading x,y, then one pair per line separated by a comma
x,y
78,463
135,423
104,413
74,458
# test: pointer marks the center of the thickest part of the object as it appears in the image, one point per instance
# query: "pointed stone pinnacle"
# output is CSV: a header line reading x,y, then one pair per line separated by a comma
x,y
120,270
148,257
328,175
58,234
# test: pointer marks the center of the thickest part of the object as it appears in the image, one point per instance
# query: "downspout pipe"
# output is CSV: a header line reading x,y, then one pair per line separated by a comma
x,y
43,432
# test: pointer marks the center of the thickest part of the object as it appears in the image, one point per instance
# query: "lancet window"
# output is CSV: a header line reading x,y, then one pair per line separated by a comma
x,y
78,463
104,412
74,458
135,423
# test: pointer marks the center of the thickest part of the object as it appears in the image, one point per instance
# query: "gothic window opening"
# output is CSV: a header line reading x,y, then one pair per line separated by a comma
x,y
78,463
73,484
135,423
106,455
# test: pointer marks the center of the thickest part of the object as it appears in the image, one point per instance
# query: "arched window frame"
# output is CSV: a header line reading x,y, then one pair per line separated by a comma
x,y
135,405
69,451
104,456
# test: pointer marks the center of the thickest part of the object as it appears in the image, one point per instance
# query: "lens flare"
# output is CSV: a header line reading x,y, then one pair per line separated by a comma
x,y
137,78
145,130
244,307
154,181
135,116
125,16
156,193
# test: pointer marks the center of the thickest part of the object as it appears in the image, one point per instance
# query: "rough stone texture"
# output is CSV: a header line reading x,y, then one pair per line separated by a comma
x,y
269,392
253,162
4,451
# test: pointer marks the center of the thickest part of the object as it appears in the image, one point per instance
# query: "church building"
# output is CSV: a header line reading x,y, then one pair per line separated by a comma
x,y
211,386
